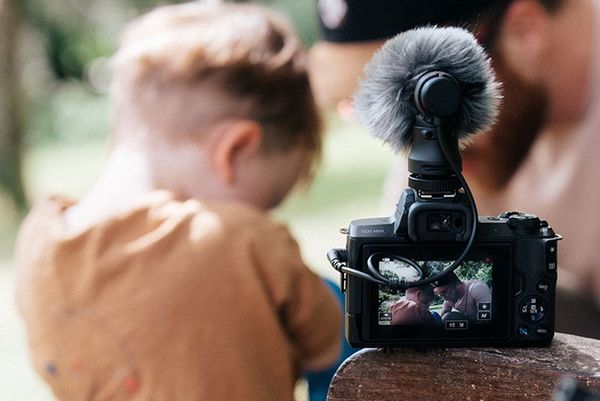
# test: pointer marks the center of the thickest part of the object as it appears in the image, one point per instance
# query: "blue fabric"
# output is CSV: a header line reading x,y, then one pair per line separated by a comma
x,y
318,381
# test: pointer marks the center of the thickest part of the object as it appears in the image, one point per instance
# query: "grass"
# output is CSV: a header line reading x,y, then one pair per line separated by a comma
x,y
346,187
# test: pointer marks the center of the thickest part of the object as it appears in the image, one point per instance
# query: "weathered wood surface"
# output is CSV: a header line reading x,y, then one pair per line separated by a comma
x,y
467,374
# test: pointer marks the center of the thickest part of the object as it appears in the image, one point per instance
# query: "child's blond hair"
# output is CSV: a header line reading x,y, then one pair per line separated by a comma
x,y
183,68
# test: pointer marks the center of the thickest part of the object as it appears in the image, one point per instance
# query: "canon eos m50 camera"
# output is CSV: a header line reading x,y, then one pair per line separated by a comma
x,y
434,273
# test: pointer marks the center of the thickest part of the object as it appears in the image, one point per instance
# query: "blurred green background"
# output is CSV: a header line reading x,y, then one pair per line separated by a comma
x,y
54,120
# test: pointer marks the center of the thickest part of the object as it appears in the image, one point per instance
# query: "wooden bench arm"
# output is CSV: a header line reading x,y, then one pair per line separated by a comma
x,y
476,374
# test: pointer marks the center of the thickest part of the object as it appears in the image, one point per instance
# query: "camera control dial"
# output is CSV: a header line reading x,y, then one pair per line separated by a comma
x,y
533,309
522,221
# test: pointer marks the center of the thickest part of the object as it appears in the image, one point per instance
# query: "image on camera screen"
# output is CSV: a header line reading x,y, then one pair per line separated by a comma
x,y
461,299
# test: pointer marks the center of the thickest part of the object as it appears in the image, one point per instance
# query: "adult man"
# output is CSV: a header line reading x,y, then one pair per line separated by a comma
x,y
541,156
467,297
413,307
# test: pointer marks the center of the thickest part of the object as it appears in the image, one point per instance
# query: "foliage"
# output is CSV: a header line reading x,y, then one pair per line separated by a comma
x,y
70,36
75,36
475,270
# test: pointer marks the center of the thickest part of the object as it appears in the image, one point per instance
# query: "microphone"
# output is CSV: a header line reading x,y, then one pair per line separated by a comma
x,y
424,74
425,91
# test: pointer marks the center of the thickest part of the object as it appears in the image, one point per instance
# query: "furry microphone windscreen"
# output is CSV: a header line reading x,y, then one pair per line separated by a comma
x,y
384,101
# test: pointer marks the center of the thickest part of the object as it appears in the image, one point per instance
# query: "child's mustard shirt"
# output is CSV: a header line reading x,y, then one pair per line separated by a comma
x,y
170,301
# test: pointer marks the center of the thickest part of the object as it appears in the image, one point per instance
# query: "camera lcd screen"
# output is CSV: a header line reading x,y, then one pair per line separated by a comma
x,y
462,300
471,303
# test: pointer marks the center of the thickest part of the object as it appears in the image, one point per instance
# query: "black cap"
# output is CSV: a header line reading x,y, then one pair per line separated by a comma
x,y
363,20
448,279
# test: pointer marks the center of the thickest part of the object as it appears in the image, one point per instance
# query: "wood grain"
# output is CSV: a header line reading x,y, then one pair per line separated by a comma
x,y
467,373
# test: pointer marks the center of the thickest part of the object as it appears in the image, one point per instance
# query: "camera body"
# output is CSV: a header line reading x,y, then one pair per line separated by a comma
x,y
503,293
435,273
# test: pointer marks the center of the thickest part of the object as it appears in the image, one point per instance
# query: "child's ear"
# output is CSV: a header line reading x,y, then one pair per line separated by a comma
x,y
236,142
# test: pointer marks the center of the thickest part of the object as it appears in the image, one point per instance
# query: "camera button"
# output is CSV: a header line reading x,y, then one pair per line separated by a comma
x,y
507,214
523,330
542,286
524,222
484,315
542,330
551,256
533,309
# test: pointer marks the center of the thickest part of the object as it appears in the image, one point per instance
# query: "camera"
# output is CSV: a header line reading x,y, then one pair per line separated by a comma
x,y
434,273
502,293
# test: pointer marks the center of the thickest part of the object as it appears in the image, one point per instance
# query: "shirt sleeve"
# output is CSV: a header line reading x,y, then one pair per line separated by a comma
x,y
447,307
314,320
480,293
308,309
405,312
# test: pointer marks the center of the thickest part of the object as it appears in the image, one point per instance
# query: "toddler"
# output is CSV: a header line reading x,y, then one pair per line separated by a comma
x,y
169,281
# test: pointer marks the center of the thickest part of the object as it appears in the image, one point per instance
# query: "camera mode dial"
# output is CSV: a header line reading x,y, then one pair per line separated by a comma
x,y
523,221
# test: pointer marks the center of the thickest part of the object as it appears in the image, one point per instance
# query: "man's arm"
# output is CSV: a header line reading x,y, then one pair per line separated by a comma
x,y
447,307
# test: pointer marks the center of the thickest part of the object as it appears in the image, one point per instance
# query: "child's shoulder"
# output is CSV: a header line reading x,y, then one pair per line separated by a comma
x,y
208,226
228,218
157,216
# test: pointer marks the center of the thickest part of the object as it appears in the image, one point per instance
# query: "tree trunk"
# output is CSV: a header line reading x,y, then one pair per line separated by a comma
x,y
11,101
